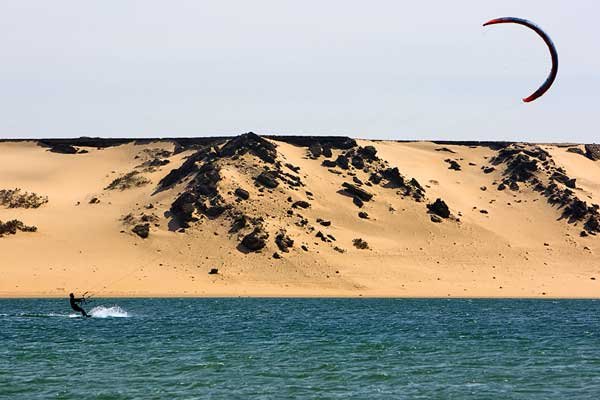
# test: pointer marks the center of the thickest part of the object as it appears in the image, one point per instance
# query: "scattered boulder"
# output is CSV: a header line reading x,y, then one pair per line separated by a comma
x,y
268,179
363,215
183,207
315,150
255,240
301,204
238,224
283,241
213,271
323,222
358,162
94,200
368,152
440,208
357,191
360,244
327,152
342,161
329,164
435,218
276,256
394,176
357,201
292,167
375,178
242,193
453,164
142,230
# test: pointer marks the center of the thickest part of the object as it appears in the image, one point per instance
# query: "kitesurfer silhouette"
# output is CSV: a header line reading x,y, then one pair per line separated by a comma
x,y
74,300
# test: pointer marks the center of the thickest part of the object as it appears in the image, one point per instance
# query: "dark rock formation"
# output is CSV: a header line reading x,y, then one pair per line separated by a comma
x,y
576,150
363,215
213,271
440,208
329,164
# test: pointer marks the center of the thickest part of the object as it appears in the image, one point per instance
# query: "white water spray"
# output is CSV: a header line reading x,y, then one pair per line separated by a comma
x,y
108,312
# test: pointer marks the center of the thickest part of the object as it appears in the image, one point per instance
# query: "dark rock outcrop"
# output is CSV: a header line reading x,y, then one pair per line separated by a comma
x,y
250,142
592,151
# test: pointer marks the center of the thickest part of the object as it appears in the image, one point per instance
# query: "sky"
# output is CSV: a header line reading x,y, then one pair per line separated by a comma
x,y
369,69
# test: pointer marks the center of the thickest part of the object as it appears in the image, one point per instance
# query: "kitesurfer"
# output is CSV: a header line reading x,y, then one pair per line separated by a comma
x,y
74,300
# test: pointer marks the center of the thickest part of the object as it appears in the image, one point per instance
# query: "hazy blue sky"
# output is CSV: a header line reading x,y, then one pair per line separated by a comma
x,y
376,69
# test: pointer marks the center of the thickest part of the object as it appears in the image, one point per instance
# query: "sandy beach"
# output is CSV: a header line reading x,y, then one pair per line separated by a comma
x,y
519,241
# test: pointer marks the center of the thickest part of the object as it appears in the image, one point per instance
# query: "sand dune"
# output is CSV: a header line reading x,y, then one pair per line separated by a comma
x,y
534,238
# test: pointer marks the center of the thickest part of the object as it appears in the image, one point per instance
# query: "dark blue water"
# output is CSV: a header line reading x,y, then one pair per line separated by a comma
x,y
299,348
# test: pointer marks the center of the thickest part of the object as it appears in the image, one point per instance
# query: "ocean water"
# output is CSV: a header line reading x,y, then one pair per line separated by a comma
x,y
301,349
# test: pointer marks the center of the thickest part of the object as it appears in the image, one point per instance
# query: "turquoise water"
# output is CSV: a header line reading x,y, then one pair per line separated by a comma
x,y
301,348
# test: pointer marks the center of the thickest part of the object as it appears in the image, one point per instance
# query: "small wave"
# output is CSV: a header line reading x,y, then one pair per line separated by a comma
x,y
108,312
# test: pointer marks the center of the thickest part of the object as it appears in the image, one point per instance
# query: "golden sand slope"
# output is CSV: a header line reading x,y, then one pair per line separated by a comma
x,y
519,248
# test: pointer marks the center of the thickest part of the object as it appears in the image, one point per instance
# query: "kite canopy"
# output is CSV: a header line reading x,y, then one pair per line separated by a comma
x,y
552,76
